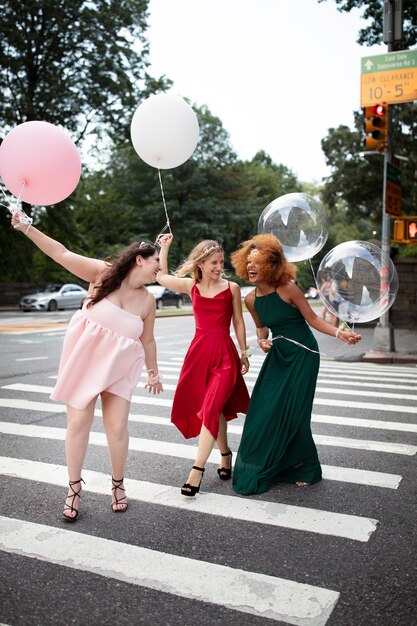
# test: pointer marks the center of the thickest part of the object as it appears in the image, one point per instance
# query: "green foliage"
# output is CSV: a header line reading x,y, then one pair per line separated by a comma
x,y
373,10
78,63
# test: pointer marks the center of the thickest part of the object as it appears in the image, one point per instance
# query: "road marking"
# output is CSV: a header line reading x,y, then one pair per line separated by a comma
x,y
146,399
34,358
236,589
256,511
37,327
367,406
357,422
178,450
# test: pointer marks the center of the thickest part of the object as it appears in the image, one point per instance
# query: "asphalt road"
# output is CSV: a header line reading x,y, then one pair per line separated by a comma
x,y
340,553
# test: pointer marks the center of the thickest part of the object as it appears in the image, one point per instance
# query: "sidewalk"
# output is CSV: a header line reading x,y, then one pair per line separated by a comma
x,y
405,343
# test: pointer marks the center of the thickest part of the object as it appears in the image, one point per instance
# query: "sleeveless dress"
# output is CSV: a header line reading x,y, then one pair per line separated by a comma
x,y
277,444
210,381
101,352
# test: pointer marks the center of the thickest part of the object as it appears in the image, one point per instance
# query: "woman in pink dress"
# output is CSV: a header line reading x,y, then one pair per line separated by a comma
x,y
210,390
105,346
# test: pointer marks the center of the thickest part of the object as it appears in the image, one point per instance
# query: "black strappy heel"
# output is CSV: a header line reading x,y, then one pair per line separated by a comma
x,y
73,495
190,490
116,485
225,473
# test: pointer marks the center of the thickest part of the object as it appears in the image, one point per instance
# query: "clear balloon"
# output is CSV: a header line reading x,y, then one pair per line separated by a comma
x,y
164,131
299,221
357,281
39,163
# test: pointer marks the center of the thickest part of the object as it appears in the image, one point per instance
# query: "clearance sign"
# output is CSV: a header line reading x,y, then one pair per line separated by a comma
x,y
390,78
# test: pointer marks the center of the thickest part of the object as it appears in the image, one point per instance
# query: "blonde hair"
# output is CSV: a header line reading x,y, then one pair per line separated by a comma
x,y
200,253
276,270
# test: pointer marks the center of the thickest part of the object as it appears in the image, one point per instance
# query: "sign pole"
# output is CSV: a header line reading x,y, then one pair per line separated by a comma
x,y
383,339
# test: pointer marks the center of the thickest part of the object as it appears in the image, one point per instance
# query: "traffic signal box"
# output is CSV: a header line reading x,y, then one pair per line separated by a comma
x,y
376,127
405,230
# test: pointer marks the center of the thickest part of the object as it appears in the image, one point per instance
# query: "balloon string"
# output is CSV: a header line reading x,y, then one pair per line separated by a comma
x,y
167,225
301,345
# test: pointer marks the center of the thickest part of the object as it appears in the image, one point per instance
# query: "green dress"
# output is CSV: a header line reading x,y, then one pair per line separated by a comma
x,y
277,444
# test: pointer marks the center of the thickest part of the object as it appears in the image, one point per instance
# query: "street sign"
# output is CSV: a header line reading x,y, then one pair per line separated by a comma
x,y
389,78
393,190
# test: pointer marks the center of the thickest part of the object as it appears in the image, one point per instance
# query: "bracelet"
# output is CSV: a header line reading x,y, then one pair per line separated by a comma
x,y
337,333
247,352
156,379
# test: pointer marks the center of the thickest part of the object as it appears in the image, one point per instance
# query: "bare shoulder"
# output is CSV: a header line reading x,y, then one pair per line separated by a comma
x,y
250,300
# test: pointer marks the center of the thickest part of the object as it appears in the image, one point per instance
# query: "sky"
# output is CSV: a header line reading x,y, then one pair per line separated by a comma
x,y
278,73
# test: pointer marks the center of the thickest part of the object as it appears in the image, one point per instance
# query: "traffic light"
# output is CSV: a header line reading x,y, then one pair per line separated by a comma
x,y
376,127
405,230
411,229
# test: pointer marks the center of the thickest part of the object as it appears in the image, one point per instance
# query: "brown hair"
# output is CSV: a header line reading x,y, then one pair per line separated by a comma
x,y
276,269
119,266
201,252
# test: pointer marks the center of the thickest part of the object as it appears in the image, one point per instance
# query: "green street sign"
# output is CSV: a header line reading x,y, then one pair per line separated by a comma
x,y
389,78
405,60
393,174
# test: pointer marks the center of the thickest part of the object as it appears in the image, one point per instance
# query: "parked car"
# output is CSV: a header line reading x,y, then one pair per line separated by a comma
x,y
54,297
312,293
165,296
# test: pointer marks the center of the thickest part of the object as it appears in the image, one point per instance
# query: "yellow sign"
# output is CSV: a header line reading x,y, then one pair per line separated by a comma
x,y
390,78
392,199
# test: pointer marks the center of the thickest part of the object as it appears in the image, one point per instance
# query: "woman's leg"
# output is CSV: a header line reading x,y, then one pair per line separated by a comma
x,y
205,446
115,420
226,460
76,442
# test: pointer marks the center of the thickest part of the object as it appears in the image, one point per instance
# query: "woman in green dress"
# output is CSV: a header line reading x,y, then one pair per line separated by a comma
x,y
277,444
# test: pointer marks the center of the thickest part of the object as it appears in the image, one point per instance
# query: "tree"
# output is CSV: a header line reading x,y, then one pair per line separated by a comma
x,y
374,10
78,64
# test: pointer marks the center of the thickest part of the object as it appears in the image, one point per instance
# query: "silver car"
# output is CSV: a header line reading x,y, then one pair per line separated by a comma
x,y
54,297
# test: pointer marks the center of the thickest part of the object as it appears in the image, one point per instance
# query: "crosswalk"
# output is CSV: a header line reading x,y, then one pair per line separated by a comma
x,y
361,411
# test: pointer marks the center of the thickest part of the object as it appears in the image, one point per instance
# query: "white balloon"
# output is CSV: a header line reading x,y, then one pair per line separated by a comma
x,y
164,131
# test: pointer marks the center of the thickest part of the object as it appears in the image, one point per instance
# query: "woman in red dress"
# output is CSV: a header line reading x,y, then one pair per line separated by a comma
x,y
210,390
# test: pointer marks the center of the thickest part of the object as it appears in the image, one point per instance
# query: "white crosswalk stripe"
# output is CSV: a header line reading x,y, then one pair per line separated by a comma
x,y
261,595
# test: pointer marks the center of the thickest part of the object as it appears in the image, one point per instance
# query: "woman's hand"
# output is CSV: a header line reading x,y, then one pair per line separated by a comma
x,y
20,221
165,240
265,344
348,336
244,364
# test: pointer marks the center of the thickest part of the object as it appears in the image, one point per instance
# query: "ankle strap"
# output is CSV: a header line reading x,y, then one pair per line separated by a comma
x,y
226,453
200,469
75,482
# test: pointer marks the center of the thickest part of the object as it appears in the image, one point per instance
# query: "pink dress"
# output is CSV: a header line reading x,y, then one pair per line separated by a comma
x,y
101,352
210,382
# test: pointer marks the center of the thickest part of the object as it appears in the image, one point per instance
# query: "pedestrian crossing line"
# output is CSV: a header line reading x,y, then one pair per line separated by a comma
x,y
386,380
366,406
158,401
324,440
358,422
373,385
359,392
178,450
397,371
299,518
236,589
145,399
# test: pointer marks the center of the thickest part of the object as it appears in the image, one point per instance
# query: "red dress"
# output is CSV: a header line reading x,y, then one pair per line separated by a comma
x,y
210,382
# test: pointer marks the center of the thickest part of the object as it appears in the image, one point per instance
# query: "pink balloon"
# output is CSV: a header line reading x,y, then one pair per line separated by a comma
x,y
44,158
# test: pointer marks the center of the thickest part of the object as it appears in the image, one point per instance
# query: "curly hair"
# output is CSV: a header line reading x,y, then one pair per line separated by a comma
x,y
200,253
119,266
276,270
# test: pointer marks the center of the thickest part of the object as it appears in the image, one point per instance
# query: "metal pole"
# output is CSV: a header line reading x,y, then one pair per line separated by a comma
x,y
383,339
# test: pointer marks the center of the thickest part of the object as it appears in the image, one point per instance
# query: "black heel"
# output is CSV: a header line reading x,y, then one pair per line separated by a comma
x,y
123,500
225,473
75,494
190,490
